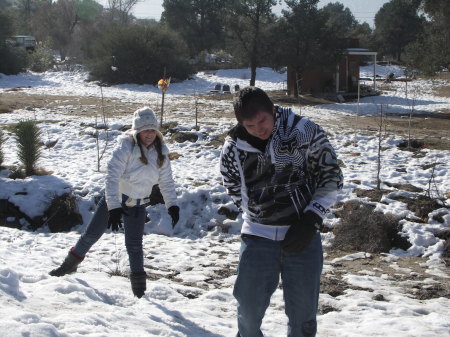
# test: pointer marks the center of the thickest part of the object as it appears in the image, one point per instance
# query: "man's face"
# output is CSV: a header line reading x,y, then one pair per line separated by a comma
x,y
261,125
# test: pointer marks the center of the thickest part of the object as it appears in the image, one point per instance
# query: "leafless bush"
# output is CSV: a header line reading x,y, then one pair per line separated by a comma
x,y
363,229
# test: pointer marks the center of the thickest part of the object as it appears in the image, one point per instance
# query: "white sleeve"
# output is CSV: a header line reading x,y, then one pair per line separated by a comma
x,y
115,169
324,166
231,175
166,184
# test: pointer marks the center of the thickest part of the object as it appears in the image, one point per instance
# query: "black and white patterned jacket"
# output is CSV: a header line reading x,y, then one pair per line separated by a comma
x,y
298,171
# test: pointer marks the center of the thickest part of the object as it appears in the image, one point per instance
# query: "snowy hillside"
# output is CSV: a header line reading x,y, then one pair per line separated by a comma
x,y
192,268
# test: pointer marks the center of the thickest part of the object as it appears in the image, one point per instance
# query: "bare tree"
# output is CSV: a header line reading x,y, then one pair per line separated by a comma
x,y
57,21
120,10
247,19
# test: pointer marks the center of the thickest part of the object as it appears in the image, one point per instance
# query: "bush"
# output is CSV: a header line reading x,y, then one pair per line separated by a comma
x,y
12,60
28,142
430,52
139,54
63,214
41,59
362,229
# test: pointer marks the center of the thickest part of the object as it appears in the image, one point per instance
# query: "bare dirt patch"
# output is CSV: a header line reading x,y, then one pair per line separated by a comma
x,y
91,106
443,91
411,274
432,129
74,105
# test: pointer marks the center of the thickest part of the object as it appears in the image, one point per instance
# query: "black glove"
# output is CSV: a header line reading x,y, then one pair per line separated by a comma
x,y
115,218
174,212
300,234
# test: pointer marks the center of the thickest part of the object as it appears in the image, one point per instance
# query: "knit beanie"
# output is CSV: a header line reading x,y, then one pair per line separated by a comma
x,y
145,119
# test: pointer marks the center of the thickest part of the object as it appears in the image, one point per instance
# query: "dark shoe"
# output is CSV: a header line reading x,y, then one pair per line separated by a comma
x,y
138,283
69,265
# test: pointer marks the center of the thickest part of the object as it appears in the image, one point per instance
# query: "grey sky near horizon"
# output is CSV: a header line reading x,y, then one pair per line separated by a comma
x,y
363,10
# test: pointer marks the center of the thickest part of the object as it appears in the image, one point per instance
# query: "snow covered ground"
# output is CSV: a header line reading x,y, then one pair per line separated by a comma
x,y
192,269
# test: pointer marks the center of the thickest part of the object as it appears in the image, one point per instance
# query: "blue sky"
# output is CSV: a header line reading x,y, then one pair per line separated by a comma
x,y
363,10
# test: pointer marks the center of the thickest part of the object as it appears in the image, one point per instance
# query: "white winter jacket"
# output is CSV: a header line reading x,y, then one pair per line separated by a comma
x,y
126,174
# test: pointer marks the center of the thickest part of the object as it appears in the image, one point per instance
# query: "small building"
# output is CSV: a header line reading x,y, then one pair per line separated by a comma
x,y
347,70
343,80
23,41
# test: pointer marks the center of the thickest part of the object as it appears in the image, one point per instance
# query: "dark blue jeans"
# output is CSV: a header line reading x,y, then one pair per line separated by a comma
x,y
261,263
134,231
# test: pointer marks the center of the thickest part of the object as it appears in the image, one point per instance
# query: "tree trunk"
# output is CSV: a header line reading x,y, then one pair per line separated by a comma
x,y
62,54
253,73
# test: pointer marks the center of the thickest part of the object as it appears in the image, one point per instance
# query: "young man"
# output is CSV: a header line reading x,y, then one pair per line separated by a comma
x,y
282,173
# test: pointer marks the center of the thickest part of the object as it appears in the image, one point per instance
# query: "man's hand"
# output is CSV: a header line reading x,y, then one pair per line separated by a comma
x,y
300,234
115,219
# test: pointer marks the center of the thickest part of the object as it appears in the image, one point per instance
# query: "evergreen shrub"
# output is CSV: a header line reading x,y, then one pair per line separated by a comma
x,y
12,60
41,59
139,54
28,145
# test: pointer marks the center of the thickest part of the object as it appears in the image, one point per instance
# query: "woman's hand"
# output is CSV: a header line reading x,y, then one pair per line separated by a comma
x,y
174,212
115,219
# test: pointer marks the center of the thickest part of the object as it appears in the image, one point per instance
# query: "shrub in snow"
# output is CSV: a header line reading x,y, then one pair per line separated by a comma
x,y
41,59
363,229
421,205
28,145
181,137
139,54
63,214
12,59
413,144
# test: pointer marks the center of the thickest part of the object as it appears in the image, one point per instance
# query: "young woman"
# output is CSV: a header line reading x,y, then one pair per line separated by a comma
x,y
139,161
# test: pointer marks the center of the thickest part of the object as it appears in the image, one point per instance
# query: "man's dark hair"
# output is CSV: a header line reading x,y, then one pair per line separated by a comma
x,y
250,101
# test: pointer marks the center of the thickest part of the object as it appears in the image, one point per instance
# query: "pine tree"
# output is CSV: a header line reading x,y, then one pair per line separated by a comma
x,y
397,24
28,148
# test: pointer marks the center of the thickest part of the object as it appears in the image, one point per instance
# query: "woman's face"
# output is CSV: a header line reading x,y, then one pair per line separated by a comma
x,y
147,137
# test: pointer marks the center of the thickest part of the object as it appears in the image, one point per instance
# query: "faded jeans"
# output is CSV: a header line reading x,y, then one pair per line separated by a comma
x,y
261,263
134,231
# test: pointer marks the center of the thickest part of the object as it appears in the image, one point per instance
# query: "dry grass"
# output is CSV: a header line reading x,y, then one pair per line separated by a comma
x,y
443,91
363,229
4,109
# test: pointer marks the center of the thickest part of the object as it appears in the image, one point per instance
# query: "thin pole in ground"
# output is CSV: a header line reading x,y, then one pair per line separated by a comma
x,y
163,85
196,112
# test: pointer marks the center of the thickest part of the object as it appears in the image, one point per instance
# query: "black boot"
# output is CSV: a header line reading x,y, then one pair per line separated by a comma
x,y
69,265
138,283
